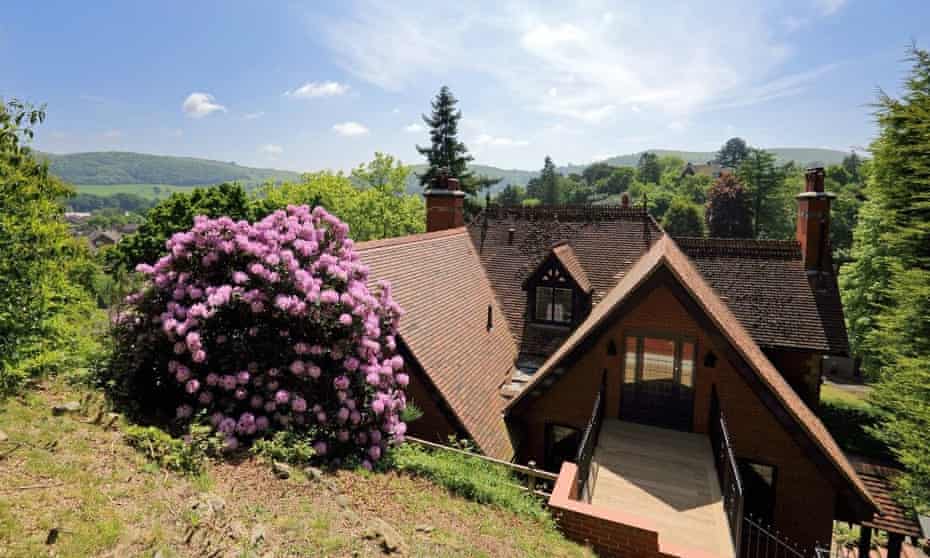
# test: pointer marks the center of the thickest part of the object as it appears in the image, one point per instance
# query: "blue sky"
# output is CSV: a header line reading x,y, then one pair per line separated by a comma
x,y
306,86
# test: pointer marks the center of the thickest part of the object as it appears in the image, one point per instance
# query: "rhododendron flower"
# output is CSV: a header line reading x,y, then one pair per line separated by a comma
x,y
259,298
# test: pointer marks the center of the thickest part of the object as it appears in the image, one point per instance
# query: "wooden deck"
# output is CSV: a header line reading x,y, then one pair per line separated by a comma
x,y
666,477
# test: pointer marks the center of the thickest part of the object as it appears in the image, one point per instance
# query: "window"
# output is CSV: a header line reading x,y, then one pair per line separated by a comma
x,y
553,305
658,360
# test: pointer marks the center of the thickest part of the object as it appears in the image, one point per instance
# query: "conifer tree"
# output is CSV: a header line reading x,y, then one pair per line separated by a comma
x,y
445,149
899,188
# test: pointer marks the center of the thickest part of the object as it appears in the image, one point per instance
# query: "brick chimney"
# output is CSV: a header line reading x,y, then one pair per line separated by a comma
x,y
813,230
445,203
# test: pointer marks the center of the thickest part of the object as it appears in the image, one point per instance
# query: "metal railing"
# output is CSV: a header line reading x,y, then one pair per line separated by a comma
x,y
760,541
731,486
589,441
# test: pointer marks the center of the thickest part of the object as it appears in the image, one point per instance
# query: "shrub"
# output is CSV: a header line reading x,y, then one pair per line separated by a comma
x,y
187,455
852,423
469,477
267,327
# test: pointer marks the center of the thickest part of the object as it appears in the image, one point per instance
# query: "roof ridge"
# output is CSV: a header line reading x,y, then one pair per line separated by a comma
x,y
408,239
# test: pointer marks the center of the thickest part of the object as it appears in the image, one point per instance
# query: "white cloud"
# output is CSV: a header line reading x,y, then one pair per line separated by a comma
x,y
350,129
271,149
485,139
253,115
176,133
198,105
395,111
314,89
415,128
593,65
830,7
113,133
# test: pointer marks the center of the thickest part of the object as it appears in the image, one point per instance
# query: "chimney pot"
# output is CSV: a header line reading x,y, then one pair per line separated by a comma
x,y
813,179
510,233
625,200
445,203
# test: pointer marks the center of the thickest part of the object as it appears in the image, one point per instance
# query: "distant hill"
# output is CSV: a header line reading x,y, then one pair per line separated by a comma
x,y
803,156
118,171
516,177
118,167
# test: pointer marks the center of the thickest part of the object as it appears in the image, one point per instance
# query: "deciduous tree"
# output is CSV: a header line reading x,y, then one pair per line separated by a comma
x,y
729,211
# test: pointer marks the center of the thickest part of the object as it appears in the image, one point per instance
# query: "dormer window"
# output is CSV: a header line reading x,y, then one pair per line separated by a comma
x,y
553,305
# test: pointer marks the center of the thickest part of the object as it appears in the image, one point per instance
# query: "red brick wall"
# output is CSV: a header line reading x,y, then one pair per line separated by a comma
x,y
804,500
444,210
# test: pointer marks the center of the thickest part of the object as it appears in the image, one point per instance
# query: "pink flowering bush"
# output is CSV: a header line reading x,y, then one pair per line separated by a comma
x,y
268,326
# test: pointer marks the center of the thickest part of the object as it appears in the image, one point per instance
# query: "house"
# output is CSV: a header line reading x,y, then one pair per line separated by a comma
x,y
670,382
711,169
99,239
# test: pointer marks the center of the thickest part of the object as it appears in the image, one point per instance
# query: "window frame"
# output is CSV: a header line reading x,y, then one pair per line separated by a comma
x,y
548,442
551,299
679,340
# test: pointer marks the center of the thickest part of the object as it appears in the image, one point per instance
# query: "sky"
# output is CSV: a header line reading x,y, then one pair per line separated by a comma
x,y
312,85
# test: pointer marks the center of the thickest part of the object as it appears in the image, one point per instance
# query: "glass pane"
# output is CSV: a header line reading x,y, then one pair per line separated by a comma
x,y
687,364
659,366
562,309
543,303
629,370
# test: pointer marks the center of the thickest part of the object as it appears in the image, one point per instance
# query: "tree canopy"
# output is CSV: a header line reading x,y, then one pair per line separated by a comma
x,y
445,149
729,210
887,285
732,153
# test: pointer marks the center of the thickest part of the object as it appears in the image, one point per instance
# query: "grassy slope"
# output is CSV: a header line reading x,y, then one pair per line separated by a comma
x,y
106,500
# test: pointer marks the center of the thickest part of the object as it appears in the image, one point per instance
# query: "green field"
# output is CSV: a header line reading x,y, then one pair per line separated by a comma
x,y
150,191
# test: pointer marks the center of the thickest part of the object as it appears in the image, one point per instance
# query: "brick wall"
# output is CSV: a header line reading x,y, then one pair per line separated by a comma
x,y
804,499
611,533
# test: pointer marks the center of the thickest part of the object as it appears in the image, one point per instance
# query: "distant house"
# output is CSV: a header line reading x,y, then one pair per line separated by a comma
x,y
76,217
711,169
99,239
670,382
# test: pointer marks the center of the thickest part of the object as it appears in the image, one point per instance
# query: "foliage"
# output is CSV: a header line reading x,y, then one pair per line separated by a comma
x,y
896,218
44,311
618,181
732,153
648,169
286,446
176,214
264,327
695,188
139,168
772,204
728,213
683,218
545,188
371,200
511,195
852,423
121,201
469,477
185,455
445,150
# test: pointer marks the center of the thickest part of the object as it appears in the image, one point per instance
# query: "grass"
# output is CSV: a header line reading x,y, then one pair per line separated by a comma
x,y
850,418
79,476
144,190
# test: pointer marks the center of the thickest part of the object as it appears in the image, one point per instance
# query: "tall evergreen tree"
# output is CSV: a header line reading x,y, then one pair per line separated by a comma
x,y
732,153
766,185
549,179
648,168
728,213
445,149
899,188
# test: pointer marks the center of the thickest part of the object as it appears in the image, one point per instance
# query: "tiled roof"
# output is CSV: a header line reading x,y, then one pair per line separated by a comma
x,y
440,283
605,242
566,256
765,285
880,478
666,252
